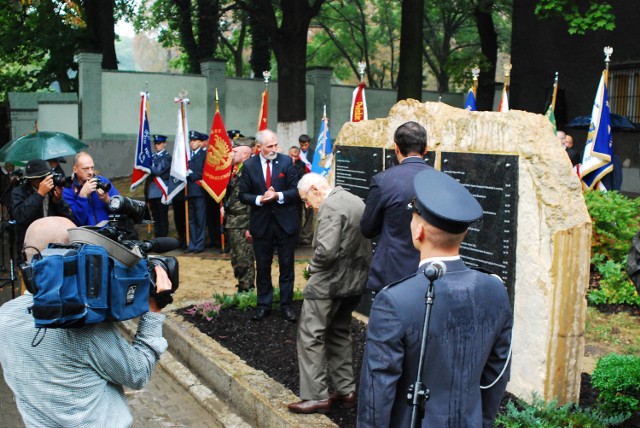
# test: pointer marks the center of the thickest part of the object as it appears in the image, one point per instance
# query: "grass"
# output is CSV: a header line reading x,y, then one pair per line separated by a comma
x,y
618,332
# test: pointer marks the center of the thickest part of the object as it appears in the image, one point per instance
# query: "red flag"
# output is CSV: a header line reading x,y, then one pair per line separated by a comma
x,y
504,99
264,111
217,165
359,104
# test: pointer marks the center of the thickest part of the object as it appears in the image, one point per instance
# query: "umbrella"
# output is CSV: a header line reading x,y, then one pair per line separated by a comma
x,y
618,122
41,145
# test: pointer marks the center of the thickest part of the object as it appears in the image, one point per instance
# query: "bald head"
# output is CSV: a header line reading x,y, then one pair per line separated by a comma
x,y
45,231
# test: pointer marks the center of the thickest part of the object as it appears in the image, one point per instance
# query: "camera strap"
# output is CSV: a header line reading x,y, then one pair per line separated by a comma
x,y
83,235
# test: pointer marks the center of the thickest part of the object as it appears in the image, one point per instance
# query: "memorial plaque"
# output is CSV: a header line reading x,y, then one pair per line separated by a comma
x,y
390,159
493,180
355,166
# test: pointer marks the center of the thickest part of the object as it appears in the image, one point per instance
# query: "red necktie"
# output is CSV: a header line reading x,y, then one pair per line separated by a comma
x,y
268,179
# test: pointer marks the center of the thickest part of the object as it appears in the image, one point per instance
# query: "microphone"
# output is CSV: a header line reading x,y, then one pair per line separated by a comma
x,y
159,245
435,270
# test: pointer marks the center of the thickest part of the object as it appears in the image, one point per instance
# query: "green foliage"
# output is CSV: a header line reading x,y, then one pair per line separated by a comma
x,y
615,222
617,378
598,16
246,300
539,414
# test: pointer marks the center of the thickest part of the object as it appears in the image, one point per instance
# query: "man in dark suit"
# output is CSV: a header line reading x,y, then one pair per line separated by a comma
x,y
385,216
269,186
466,367
196,194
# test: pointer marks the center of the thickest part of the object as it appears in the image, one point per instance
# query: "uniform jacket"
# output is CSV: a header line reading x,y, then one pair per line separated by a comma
x,y
91,210
196,165
27,207
236,213
284,178
468,346
160,167
341,255
387,218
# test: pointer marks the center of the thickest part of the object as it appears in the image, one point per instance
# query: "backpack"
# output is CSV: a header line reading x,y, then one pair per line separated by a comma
x,y
633,262
79,284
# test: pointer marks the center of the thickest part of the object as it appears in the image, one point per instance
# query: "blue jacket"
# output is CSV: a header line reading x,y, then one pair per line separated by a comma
x,y
91,210
196,165
160,168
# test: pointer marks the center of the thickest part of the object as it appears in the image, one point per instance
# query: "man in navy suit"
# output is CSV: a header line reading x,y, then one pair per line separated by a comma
x,y
196,194
385,215
269,186
160,170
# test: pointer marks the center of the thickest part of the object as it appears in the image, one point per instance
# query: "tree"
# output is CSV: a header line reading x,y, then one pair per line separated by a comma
x,y
483,15
287,24
596,15
410,72
260,59
232,41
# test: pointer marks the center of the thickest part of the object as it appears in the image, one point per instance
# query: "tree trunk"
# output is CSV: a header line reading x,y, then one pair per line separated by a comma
x,y
260,59
101,30
290,50
489,48
410,72
187,38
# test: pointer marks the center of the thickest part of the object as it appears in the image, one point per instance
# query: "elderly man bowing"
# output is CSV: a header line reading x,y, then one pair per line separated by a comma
x,y
338,269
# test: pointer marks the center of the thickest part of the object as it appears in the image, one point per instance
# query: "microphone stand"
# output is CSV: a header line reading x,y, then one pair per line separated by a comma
x,y
418,394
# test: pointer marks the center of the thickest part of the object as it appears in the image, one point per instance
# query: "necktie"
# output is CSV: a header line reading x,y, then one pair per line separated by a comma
x,y
268,178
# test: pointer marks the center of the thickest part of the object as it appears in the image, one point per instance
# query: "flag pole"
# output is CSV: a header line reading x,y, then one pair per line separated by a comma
x,y
555,92
475,72
221,216
182,95
362,66
608,50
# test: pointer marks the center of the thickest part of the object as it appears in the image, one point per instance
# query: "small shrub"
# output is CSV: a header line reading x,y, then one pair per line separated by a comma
x,y
617,378
615,286
206,310
539,414
246,300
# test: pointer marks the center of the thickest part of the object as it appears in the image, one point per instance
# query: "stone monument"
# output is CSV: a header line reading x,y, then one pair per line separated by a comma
x,y
535,233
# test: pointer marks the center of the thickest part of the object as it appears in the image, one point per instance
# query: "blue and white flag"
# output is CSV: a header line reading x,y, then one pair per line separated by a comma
x,y
470,103
181,154
143,160
323,156
596,160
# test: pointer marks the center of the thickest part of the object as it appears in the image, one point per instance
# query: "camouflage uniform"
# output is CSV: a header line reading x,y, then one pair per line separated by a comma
x,y
236,224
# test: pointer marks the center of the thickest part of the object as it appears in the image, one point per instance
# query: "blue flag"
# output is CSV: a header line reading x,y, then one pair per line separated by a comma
x,y
324,150
470,103
143,160
596,160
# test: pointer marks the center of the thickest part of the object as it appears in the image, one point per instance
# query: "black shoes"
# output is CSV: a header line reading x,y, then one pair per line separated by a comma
x,y
261,313
289,315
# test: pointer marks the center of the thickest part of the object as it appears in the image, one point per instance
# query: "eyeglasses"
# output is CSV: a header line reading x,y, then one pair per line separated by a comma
x,y
304,200
413,207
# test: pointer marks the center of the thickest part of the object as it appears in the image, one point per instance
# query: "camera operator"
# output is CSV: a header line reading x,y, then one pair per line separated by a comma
x,y
37,197
75,377
89,195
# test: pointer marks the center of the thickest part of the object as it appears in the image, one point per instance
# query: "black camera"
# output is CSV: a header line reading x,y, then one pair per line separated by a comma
x,y
104,186
60,180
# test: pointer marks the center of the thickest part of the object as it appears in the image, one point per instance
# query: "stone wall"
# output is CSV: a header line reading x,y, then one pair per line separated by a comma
x,y
553,238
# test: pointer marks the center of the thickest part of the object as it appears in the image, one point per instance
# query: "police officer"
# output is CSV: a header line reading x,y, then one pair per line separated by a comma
x,y
196,194
160,171
236,220
469,337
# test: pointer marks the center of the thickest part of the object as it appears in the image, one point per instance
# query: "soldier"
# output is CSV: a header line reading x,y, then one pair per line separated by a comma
x,y
160,170
236,221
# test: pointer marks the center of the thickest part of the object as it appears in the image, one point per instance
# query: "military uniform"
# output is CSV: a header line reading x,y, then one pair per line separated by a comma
x,y
157,188
236,224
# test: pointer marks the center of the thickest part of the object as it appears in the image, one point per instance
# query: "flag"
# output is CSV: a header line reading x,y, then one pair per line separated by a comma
x,y
143,160
504,99
264,111
596,160
217,165
359,104
181,154
324,150
470,103
551,115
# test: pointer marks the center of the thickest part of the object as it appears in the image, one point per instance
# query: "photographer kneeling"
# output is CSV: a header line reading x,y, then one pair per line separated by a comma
x,y
36,197
75,376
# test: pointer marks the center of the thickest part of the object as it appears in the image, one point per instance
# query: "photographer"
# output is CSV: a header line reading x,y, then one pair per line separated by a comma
x,y
37,197
75,377
89,195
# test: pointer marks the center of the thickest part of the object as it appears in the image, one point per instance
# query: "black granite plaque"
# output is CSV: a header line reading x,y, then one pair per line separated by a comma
x,y
390,159
355,166
493,180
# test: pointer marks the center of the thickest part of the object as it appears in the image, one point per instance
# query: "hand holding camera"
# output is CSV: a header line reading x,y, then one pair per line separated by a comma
x,y
45,185
94,184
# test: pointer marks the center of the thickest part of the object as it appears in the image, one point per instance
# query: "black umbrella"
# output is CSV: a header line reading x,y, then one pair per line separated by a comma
x,y
618,122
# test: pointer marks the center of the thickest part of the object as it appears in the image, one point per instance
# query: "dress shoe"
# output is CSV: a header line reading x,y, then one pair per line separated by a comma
x,y
289,315
188,251
261,313
311,406
197,251
347,401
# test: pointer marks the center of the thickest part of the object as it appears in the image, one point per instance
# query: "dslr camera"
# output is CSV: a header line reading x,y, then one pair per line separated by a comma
x,y
102,275
59,180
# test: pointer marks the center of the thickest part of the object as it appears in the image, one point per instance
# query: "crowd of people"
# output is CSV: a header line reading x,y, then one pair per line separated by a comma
x,y
273,203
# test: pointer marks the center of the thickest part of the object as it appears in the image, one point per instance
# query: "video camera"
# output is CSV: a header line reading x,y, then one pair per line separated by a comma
x,y
101,275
